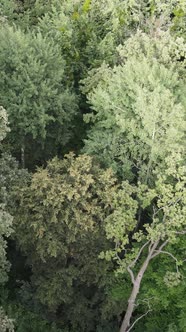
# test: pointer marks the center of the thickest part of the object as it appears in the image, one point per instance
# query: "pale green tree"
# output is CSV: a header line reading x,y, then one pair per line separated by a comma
x,y
138,113
138,123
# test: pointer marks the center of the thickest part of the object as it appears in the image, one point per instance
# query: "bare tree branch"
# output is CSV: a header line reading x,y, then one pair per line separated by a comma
x,y
131,274
131,327
181,232
146,301
139,253
150,247
157,252
134,262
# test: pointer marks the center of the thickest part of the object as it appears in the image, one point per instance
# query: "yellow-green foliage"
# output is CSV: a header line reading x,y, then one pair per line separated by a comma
x,y
60,225
86,5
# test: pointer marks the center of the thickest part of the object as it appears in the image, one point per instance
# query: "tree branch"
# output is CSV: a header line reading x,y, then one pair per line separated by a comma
x,y
131,274
181,232
166,253
138,320
158,251
147,301
150,247
138,255
134,262
167,205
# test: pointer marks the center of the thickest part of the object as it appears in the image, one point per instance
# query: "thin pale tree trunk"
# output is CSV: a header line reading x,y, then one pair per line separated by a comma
x,y
136,286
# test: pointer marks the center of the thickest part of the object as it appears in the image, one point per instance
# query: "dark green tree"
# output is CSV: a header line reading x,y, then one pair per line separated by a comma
x,y
5,217
59,226
33,90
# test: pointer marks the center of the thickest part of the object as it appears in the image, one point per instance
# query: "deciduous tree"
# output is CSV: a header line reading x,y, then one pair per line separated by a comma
x,y
138,123
5,217
165,223
33,90
138,115
59,226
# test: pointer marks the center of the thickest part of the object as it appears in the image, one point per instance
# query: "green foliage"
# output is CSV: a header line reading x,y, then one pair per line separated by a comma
x,y
138,123
33,89
5,231
168,215
23,13
87,32
9,177
7,8
167,303
5,218
137,118
166,49
6,324
12,179
25,320
129,58
59,224
3,123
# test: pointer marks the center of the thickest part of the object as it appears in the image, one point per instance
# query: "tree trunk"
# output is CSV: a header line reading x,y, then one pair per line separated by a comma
x,y
136,286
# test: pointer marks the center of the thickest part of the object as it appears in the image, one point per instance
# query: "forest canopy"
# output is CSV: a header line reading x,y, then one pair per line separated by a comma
x,y
92,166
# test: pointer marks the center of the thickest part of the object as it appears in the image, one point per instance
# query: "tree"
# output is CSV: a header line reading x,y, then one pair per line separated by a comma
x,y
131,57
7,10
87,31
59,227
6,324
136,109
167,221
40,107
11,177
5,217
138,128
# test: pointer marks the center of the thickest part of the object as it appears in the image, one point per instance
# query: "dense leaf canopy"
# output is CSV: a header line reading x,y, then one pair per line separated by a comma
x,y
92,165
